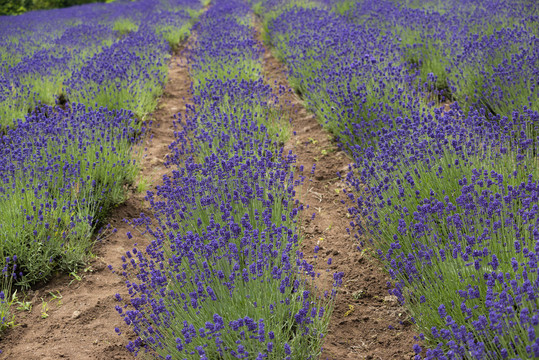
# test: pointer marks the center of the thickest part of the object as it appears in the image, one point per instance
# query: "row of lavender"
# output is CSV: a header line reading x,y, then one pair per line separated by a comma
x,y
109,54
447,196
63,168
223,277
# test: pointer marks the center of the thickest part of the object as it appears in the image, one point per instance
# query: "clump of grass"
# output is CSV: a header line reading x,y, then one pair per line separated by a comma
x,y
46,89
143,184
124,26
15,105
7,297
428,55
174,35
139,96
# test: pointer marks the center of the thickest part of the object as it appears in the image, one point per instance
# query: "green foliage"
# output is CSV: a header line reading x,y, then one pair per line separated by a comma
x,y
15,7
46,89
7,298
432,5
141,97
124,26
426,53
174,35
257,8
343,7
15,107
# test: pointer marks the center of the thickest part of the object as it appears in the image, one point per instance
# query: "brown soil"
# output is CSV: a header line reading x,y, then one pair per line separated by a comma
x,y
81,325
367,322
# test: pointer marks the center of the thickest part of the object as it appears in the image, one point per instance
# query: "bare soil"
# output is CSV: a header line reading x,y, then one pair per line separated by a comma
x,y
81,325
367,322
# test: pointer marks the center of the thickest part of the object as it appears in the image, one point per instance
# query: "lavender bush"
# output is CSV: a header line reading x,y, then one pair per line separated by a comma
x,y
74,84
113,55
446,197
223,276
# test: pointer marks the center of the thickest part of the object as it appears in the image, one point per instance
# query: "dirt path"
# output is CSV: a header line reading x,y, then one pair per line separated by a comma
x,y
367,323
81,325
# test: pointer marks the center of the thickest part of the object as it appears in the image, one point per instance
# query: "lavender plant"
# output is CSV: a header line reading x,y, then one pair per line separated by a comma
x,y
463,214
71,88
57,61
61,172
223,277
447,197
349,74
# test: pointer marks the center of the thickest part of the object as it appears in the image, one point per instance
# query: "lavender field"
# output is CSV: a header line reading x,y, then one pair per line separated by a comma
x,y
431,228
